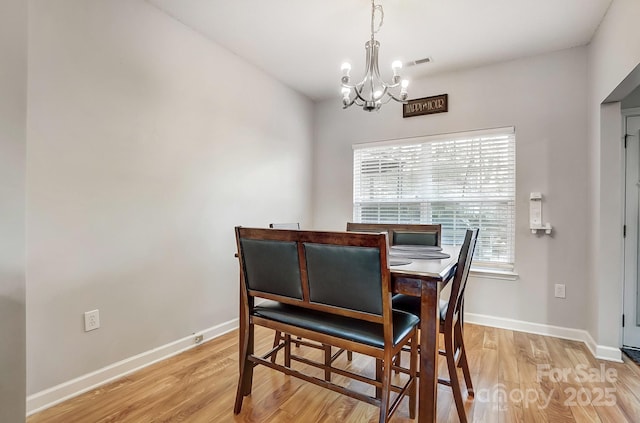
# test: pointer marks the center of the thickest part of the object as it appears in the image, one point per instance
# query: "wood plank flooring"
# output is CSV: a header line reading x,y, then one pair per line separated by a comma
x,y
518,377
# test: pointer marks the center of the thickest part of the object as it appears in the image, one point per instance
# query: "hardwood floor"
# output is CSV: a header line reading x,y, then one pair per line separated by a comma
x,y
517,377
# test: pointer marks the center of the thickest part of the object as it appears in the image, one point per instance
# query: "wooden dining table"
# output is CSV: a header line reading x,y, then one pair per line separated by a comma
x,y
425,279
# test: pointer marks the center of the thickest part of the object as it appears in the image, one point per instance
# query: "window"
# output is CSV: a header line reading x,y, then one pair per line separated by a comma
x,y
457,180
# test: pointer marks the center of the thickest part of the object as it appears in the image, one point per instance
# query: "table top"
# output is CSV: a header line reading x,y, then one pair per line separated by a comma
x,y
431,268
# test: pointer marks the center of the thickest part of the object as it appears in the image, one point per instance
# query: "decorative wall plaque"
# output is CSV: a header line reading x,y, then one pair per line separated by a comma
x,y
426,106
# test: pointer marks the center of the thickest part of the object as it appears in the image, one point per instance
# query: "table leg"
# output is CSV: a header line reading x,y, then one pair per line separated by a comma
x,y
429,329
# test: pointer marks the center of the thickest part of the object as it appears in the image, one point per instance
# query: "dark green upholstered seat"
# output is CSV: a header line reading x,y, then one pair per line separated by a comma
x,y
412,305
332,324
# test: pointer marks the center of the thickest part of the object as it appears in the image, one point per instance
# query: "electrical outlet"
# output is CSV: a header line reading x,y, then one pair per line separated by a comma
x,y
198,339
560,290
91,320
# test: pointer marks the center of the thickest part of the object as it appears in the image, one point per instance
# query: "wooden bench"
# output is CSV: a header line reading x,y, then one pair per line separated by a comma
x,y
332,288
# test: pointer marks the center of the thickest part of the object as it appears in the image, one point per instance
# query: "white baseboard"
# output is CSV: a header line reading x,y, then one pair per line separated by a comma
x,y
57,394
598,351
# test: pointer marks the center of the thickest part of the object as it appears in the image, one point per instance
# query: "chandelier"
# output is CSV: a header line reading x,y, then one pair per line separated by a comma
x,y
372,92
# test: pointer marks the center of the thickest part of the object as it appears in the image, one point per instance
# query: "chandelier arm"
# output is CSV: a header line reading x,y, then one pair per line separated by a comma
x,y
374,65
389,85
349,104
358,92
385,90
399,100
351,87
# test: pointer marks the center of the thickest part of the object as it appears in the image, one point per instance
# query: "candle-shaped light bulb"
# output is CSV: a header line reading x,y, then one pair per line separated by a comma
x,y
377,95
345,96
346,68
396,66
403,89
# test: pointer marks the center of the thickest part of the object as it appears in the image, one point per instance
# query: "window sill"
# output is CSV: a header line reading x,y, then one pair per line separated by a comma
x,y
507,275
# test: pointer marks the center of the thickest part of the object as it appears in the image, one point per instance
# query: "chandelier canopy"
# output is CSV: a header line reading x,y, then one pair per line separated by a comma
x,y
372,92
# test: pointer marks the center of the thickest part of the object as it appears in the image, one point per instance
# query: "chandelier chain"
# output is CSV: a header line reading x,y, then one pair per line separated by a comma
x,y
374,8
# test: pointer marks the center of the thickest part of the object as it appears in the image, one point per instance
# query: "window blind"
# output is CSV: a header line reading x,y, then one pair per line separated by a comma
x,y
457,180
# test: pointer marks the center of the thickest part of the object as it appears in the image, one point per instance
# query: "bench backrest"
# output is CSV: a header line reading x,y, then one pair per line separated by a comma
x,y
337,272
403,234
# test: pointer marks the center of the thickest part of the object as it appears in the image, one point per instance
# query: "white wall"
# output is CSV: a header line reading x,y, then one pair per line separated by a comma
x,y
614,52
147,145
13,115
544,97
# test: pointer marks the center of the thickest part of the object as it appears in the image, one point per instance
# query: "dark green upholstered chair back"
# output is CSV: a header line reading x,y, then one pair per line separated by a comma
x,y
344,276
414,238
403,234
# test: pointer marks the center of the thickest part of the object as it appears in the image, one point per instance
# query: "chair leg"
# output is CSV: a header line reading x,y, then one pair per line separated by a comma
x,y
464,364
276,340
245,380
453,375
386,388
298,339
349,355
378,377
397,361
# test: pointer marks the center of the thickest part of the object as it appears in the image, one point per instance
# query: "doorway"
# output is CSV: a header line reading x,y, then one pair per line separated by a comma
x,y
631,307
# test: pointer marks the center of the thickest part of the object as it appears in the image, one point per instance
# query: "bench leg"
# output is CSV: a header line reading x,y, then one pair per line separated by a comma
x,y
245,380
287,350
327,362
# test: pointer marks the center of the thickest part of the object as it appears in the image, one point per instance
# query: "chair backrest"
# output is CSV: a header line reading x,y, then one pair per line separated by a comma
x,y
336,272
401,233
284,225
456,297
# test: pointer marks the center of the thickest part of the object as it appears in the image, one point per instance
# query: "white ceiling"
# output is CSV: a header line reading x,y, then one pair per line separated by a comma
x,y
303,43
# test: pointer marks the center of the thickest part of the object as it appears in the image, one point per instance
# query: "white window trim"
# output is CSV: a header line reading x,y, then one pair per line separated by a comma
x,y
489,273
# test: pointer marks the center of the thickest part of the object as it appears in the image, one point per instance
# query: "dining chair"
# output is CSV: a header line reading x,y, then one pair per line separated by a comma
x,y
312,292
451,322
403,233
